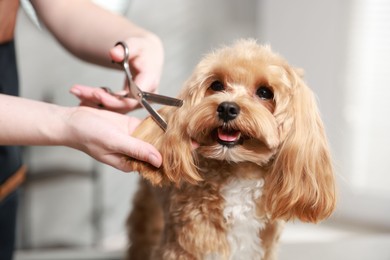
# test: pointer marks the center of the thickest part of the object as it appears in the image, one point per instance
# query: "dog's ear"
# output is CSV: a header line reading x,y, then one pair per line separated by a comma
x,y
301,181
150,132
178,160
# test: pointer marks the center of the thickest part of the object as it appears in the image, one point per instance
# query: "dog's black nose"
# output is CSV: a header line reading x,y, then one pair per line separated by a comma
x,y
228,111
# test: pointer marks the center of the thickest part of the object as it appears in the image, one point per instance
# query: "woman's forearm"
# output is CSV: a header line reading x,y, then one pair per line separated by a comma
x,y
28,122
85,29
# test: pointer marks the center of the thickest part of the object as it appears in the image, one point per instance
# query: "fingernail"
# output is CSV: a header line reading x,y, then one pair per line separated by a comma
x,y
75,91
194,144
154,160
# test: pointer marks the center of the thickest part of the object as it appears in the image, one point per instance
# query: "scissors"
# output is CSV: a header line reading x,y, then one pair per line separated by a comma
x,y
142,96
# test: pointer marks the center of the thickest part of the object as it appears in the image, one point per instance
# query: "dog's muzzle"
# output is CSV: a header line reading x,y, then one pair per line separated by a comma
x,y
228,111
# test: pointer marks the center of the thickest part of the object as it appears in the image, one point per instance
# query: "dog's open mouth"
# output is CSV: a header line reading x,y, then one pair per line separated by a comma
x,y
228,137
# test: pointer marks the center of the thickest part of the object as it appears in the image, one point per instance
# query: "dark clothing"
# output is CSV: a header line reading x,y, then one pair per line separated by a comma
x,y
10,156
8,226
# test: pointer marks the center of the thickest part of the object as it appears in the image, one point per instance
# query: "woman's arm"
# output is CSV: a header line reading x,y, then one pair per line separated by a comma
x,y
101,134
85,29
90,32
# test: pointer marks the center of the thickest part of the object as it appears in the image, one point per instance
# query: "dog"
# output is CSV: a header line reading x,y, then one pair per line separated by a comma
x,y
245,153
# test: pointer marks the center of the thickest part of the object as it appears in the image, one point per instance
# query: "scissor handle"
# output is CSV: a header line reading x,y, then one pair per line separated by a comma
x,y
133,88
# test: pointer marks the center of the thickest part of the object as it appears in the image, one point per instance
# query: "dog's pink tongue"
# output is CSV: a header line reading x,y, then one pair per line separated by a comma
x,y
228,136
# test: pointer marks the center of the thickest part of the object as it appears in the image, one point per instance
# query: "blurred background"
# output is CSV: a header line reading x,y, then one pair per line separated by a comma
x,y
75,208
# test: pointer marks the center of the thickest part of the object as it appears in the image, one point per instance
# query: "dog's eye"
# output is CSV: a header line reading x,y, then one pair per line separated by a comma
x,y
217,86
265,93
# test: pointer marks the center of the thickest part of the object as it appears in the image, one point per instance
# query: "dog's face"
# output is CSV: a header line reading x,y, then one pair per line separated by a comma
x,y
231,103
246,104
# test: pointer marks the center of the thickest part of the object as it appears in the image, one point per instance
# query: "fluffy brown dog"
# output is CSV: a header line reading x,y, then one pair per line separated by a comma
x,y
246,152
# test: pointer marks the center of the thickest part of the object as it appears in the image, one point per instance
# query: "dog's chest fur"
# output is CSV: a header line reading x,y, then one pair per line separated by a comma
x,y
240,215
233,194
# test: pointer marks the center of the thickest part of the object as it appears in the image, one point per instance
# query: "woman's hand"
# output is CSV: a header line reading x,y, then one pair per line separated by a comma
x,y
146,57
105,136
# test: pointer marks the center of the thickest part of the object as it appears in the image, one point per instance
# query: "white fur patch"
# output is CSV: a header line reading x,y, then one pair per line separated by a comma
x,y
240,215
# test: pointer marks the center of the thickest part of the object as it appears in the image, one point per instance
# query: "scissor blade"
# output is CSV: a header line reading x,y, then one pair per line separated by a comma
x,y
155,115
164,100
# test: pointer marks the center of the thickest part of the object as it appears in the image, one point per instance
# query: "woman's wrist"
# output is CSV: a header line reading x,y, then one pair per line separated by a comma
x,y
55,129
69,127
